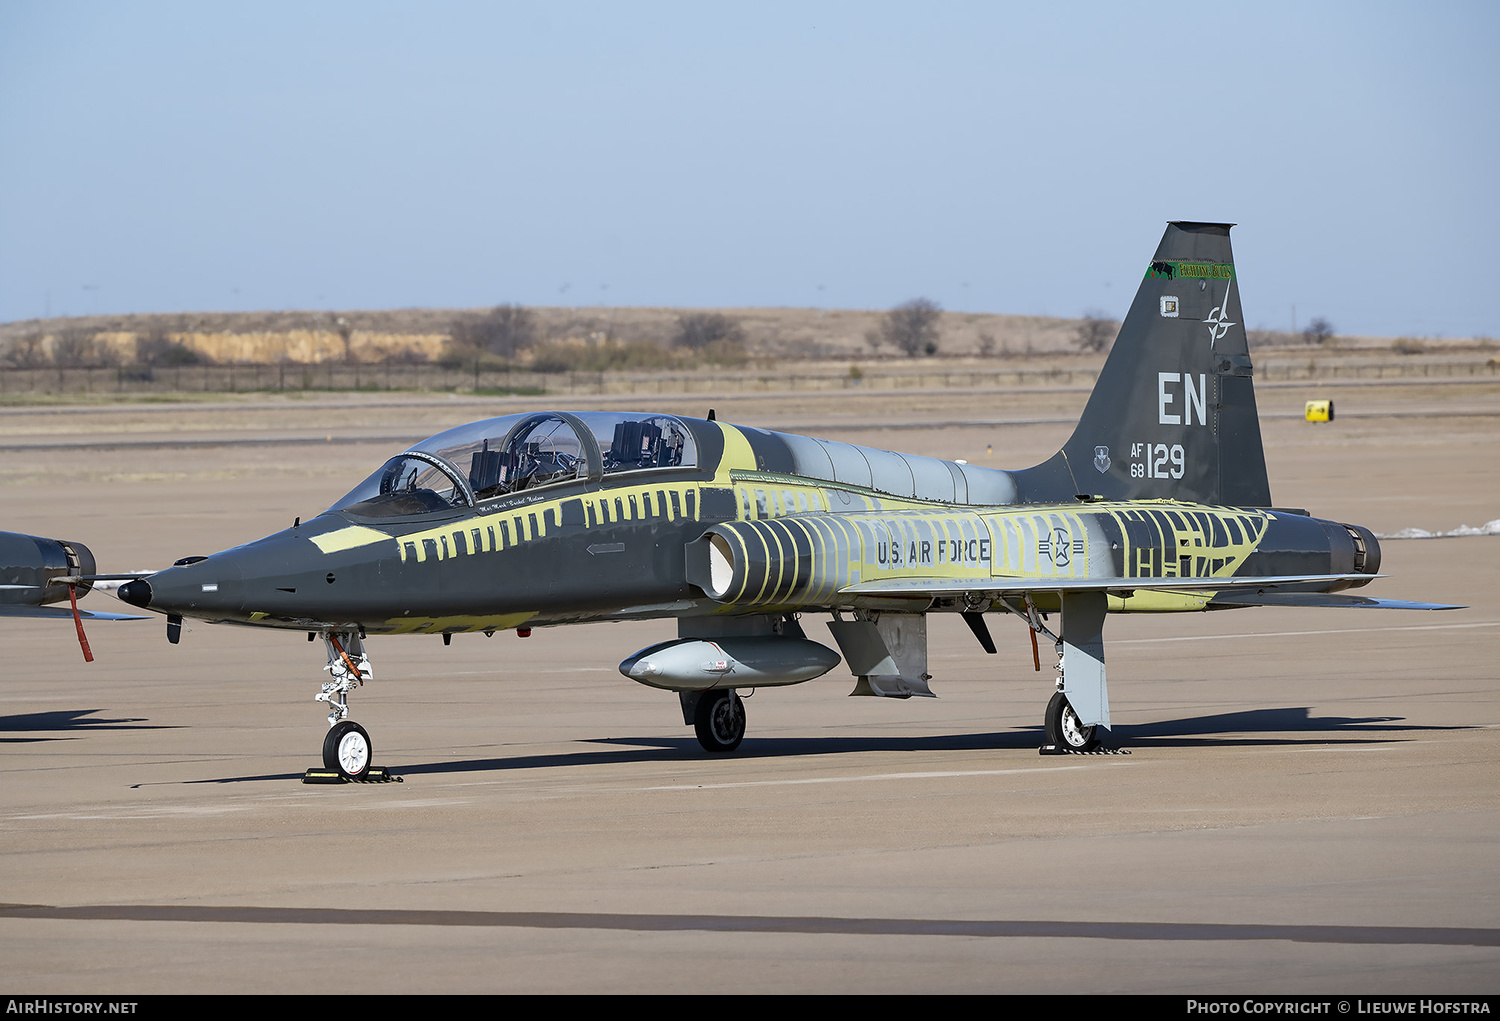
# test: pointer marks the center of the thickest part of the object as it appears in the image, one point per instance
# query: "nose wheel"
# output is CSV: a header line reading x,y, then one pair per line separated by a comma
x,y
347,750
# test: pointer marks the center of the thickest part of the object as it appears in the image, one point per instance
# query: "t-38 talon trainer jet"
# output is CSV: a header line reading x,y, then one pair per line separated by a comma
x,y
35,572
1159,502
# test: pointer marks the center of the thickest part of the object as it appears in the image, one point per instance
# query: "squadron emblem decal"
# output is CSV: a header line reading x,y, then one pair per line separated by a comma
x,y
1101,459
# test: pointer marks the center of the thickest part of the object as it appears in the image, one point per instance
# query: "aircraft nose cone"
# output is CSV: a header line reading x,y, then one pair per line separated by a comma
x,y
136,593
210,589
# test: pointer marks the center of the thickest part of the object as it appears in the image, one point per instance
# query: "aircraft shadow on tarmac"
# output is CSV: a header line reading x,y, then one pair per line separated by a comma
x,y
1265,727
55,725
1284,726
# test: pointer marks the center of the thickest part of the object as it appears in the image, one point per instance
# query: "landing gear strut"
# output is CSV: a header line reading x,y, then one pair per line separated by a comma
x,y
348,666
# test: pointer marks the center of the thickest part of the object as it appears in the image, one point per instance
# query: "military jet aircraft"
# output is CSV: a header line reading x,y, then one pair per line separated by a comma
x,y
1158,503
35,572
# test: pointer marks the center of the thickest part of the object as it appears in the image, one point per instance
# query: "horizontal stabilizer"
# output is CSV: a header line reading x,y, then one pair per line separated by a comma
x,y
64,613
935,587
1323,599
89,579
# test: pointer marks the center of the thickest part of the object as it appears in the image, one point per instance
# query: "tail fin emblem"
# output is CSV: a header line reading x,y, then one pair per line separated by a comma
x,y
1218,319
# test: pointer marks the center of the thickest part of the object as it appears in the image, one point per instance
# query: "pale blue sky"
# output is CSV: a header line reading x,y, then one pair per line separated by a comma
x,y
1001,158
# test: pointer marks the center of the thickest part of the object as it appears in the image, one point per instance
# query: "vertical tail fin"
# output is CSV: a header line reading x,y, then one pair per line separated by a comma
x,y
1172,415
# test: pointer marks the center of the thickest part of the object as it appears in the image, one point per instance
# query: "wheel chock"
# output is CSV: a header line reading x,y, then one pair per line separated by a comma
x,y
377,774
1055,749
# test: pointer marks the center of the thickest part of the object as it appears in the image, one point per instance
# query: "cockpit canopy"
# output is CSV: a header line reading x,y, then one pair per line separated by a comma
x,y
500,456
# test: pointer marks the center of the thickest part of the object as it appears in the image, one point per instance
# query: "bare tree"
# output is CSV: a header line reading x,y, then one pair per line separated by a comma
x,y
1096,331
697,330
1319,331
76,348
26,352
912,327
70,347
503,330
345,331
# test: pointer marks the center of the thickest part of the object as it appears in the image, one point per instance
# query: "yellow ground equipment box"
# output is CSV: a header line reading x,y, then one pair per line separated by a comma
x,y
1320,411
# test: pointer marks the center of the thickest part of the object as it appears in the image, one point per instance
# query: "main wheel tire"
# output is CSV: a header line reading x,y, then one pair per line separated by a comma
x,y
719,720
1064,729
348,750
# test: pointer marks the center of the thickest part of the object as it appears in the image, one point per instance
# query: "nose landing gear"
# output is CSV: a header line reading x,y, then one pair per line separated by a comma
x,y
348,753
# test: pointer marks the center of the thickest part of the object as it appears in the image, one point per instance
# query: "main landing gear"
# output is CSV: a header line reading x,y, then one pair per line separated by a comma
x,y
719,720
1064,731
1081,691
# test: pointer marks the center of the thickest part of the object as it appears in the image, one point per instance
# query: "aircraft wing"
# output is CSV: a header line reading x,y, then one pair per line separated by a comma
x,y
1323,599
1006,585
21,610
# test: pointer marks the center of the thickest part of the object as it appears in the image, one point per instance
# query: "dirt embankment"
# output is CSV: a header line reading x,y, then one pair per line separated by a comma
x,y
417,335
